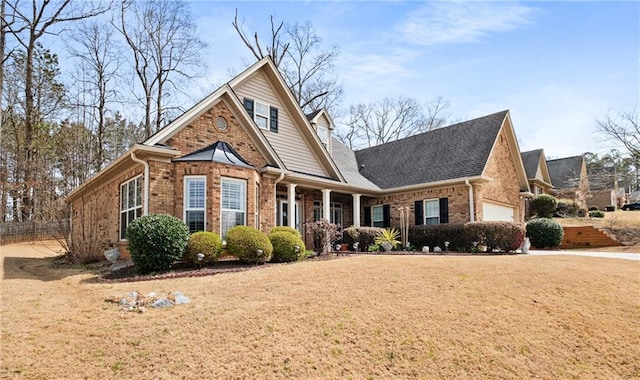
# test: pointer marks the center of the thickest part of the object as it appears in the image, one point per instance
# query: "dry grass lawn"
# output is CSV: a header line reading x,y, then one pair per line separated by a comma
x,y
375,317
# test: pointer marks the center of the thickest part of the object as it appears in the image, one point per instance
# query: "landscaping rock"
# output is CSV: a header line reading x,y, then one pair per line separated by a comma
x,y
161,303
180,298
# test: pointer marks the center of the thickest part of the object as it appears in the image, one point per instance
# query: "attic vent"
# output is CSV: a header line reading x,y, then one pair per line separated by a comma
x,y
220,123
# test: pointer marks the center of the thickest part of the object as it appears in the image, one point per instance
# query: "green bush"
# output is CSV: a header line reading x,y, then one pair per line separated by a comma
x,y
284,246
544,232
156,241
288,229
364,236
205,242
433,235
244,242
596,214
502,236
543,205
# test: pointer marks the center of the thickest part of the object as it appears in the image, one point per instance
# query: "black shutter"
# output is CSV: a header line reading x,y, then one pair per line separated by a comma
x,y
386,215
273,119
419,214
248,105
444,210
367,216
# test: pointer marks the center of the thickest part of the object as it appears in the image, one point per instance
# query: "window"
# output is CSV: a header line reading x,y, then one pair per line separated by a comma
x,y
130,203
195,203
266,117
323,133
262,115
336,212
257,208
233,204
317,210
432,211
377,216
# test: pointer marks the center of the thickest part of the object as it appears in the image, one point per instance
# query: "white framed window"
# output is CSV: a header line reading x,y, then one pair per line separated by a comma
x,y
261,116
432,211
257,208
323,134
233,204
377,216
195,202
317,210
335,210
130,203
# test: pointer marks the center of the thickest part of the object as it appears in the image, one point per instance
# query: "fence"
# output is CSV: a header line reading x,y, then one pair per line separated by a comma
x,y
31,231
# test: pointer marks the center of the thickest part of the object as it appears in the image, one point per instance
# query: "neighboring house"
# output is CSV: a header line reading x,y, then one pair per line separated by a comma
x,y
604,189
569,179
247,154
535,165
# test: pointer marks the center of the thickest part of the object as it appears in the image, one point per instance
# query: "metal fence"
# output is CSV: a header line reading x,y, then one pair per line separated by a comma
x,y
31,231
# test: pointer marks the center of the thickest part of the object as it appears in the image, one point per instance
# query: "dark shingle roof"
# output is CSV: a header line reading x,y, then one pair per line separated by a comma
x,y
565,172
457,151
531,160
313,114
345,160
218,152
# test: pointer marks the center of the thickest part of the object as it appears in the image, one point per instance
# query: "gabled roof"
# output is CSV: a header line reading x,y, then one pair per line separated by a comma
x,y
458,151
565,172
218,152
345,159
534,161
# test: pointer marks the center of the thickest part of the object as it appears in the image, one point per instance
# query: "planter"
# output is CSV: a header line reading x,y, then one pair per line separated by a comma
x,y
387,246
344,247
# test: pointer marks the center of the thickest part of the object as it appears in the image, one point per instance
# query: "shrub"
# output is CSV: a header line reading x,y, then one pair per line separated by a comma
x,y
544,232
593,208
205,242
436,234
364,236
596,214
288,229
568,208
324,234
156,241
543,205
244,243
284,246
503,236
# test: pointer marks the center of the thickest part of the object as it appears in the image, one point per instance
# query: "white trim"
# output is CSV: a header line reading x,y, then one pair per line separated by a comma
x,y
267,115
373,220
185,197
127,209
424,210
244,210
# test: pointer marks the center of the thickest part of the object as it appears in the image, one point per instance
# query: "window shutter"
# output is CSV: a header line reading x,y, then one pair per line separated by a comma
x,y
419,205
444,210
273,125
367,216
248,105
386,215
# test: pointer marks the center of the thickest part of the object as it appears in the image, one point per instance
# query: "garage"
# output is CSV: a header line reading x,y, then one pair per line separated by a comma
x,y
497,213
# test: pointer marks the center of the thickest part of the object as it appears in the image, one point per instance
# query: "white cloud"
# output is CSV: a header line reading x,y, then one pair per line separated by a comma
x,y
460,22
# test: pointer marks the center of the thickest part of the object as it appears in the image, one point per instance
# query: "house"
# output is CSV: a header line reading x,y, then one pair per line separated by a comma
x,y
247,154
535,165
570,180
605,191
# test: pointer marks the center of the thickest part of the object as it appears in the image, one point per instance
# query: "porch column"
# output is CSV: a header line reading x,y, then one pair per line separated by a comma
x,y
291,215
326,204
356,210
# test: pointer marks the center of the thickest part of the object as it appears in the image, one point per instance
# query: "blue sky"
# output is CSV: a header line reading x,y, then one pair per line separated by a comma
x,y
557,66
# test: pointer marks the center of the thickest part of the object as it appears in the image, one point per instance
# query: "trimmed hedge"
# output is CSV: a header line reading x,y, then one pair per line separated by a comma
x,y
365,236
544,232
284,243
288,229
244,241
568,208
205,242
596,214
433,235
502,236
156,241
543,205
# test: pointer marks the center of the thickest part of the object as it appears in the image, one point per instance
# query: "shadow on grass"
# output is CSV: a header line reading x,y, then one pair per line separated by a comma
x,y
40,268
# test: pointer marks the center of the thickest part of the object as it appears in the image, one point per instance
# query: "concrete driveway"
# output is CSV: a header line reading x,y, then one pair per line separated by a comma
x,y
611,255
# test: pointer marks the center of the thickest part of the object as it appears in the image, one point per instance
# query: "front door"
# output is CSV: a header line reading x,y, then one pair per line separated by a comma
x,y
284,215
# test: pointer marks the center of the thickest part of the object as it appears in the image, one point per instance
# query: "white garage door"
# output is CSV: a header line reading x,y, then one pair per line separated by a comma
x,y
497,213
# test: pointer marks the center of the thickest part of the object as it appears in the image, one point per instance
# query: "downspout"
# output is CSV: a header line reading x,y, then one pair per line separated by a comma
x,y
275,191
145,199
472,213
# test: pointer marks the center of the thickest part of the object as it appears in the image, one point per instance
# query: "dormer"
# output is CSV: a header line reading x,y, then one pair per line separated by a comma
x,y
323,125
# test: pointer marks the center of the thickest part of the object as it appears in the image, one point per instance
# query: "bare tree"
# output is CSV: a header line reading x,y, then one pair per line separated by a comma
x,y
306,68
29,25
166,51
96,80
623,129
391,119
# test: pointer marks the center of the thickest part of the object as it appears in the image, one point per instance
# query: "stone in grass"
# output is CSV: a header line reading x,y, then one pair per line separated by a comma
x,y
161,303
437,249
180,298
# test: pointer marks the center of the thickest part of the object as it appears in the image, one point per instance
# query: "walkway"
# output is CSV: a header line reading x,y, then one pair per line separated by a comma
x,y
611,255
